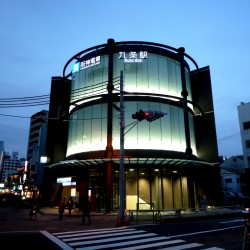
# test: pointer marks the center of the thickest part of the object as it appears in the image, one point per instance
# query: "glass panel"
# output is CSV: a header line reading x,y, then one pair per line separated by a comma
x,y
144,193
72,133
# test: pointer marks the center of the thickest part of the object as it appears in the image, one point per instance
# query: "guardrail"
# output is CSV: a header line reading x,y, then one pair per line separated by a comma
x,y
152,216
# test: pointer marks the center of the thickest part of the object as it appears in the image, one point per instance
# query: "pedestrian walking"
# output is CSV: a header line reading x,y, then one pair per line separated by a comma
x,y
86,213
132,218
70,205
158,217
61,209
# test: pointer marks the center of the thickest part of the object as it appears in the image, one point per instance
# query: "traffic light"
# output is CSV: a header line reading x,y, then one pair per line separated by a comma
x,y
154,114
141,115
149,115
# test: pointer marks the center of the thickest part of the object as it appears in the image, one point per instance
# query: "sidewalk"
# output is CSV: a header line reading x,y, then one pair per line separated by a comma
x,y
13,219
18,219
167,216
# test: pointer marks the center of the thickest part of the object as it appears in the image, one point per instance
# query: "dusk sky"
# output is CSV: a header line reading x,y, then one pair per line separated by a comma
x,y
37,38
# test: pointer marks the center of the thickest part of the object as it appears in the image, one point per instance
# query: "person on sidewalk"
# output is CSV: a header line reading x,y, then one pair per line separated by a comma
x,y
70,205
158,217
61,209
86,213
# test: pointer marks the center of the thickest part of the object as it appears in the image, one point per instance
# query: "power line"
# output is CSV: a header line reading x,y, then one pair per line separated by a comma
x,y
17,116
24,98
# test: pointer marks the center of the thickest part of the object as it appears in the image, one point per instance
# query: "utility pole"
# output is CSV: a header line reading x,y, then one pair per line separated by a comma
x,y
122,126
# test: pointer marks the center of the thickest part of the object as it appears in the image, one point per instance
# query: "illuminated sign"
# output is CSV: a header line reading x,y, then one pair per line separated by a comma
x,y
76,67
43,159
26,166
69,183
86,64
133,57
64,180
90,62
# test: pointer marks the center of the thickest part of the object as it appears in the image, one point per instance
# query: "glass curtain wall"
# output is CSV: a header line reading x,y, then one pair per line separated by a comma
x,y
150,188
156,74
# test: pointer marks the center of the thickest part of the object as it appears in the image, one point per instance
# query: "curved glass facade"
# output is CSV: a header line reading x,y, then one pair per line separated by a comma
x,y
166,163
153,75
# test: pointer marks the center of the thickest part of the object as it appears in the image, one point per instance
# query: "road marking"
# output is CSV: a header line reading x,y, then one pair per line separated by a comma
x,y
186,246
203,232
87,238
87,242
60,243
214,248
98,231
119,244
124,239
104,234
232,221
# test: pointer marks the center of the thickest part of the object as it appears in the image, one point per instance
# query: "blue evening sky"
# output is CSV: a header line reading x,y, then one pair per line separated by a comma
x,y
37,38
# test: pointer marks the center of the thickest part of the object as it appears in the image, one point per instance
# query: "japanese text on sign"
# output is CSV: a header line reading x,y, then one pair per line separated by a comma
x,y
133,57
90,62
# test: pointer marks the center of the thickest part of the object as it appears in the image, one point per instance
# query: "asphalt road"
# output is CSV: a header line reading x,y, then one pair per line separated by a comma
x,y
17,229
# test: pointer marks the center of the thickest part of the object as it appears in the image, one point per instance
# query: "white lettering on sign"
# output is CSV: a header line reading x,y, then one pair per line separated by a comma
x,y
133,57
90,62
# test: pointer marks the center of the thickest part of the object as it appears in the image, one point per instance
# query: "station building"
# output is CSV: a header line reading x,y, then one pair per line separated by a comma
x,y
168,163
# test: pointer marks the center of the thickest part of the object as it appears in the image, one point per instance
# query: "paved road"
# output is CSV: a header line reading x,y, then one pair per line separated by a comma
x,y
70,230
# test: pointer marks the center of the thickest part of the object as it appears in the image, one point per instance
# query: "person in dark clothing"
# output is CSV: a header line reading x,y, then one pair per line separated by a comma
x,y
70,205
86,213
61,209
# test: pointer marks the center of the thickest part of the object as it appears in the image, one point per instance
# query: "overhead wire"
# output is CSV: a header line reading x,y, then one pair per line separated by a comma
x,y
42,100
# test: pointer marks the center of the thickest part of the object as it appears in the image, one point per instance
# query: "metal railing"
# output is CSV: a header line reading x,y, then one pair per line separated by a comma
x,y
139,216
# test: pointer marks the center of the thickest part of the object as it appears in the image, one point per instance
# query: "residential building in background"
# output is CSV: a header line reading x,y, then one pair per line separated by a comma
x,y
10,165
36,147
244,123
232,174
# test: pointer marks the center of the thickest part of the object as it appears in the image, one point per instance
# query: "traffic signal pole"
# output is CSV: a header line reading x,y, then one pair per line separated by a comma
x,y
122,127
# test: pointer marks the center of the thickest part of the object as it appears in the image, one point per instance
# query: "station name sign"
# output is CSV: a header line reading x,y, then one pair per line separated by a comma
x,y
133,56
128,57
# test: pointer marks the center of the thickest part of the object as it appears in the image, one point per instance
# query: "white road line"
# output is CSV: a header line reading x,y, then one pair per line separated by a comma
x,y
157,244
230,221
186,246
87,237
119,244
60,243
214,248
203,232
116,239
95,230
91,236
